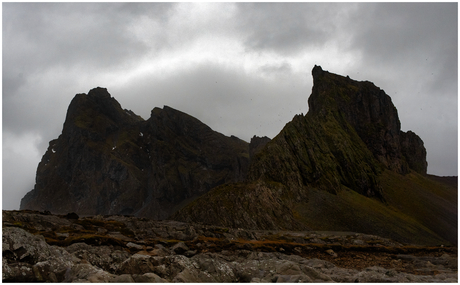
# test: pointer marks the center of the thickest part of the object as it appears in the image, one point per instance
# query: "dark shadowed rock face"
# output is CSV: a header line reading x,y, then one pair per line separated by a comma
x,y
350,134
345,165
110,161
256,145
413,151
371,113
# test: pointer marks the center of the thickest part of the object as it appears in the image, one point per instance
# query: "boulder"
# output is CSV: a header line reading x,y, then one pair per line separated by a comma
x,y
179,248
148,278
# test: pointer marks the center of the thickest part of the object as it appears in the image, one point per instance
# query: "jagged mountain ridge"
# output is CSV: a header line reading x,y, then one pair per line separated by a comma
x,y
339,167
372,115
110,161
349,135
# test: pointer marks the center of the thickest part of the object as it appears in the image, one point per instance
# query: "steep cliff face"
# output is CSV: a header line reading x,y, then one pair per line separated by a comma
x,y
413,151
349,135
317,154
257,144
337,168
110,161
371,113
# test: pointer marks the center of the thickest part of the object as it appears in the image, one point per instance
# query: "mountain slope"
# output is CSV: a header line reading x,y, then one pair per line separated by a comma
x,y
344,166
110,161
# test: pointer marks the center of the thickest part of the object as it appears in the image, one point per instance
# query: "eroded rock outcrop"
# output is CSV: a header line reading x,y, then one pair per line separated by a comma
x,y
256,145
341,166
371,113
350,133
46,248
110,161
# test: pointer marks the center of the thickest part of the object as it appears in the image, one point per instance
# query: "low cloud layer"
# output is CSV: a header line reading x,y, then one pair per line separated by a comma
x,y
242,68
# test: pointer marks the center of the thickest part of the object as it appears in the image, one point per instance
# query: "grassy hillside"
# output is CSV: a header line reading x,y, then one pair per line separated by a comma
x,y
417,210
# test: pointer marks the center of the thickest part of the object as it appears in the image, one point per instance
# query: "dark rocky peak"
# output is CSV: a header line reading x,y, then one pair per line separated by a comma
x,y
133,115
256,145
109,160
99,92
178,122
170,124
344,165
98,112
351,130
317,71
364,107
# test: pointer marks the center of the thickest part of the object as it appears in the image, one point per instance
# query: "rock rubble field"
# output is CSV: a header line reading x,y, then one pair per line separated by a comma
x,y
40,247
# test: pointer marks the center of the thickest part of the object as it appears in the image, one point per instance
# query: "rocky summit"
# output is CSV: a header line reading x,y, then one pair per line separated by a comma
x,y
41,247
344,166
111,161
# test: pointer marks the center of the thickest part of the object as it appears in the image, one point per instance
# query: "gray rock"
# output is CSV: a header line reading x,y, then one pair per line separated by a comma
x,y
190,253
101,256
190,232
318,263
23,246
135,246
160,250
79,246
285,267
291,278
179,248
378,274
179,236
17,272
118,256
193,276
358,242
57,264
86,272
317,240
148,278
136,264
124,278
315,274
28,258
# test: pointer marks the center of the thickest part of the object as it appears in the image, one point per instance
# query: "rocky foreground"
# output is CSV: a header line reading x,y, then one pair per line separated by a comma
x,y
38,246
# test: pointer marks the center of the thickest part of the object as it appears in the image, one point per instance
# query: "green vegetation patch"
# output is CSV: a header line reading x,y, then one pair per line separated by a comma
x,y
349,211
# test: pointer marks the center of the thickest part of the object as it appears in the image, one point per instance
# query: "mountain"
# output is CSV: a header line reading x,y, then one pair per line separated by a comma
x,y
111,161
344,166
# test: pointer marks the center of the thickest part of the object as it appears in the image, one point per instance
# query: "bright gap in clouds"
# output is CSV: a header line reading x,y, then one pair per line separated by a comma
x,y
233,90
206,33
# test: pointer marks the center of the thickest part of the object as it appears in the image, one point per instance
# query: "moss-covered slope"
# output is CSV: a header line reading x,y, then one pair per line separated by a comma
x,y
346,166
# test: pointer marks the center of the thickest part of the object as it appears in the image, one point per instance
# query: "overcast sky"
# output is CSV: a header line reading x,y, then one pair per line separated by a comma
x,y
243,69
